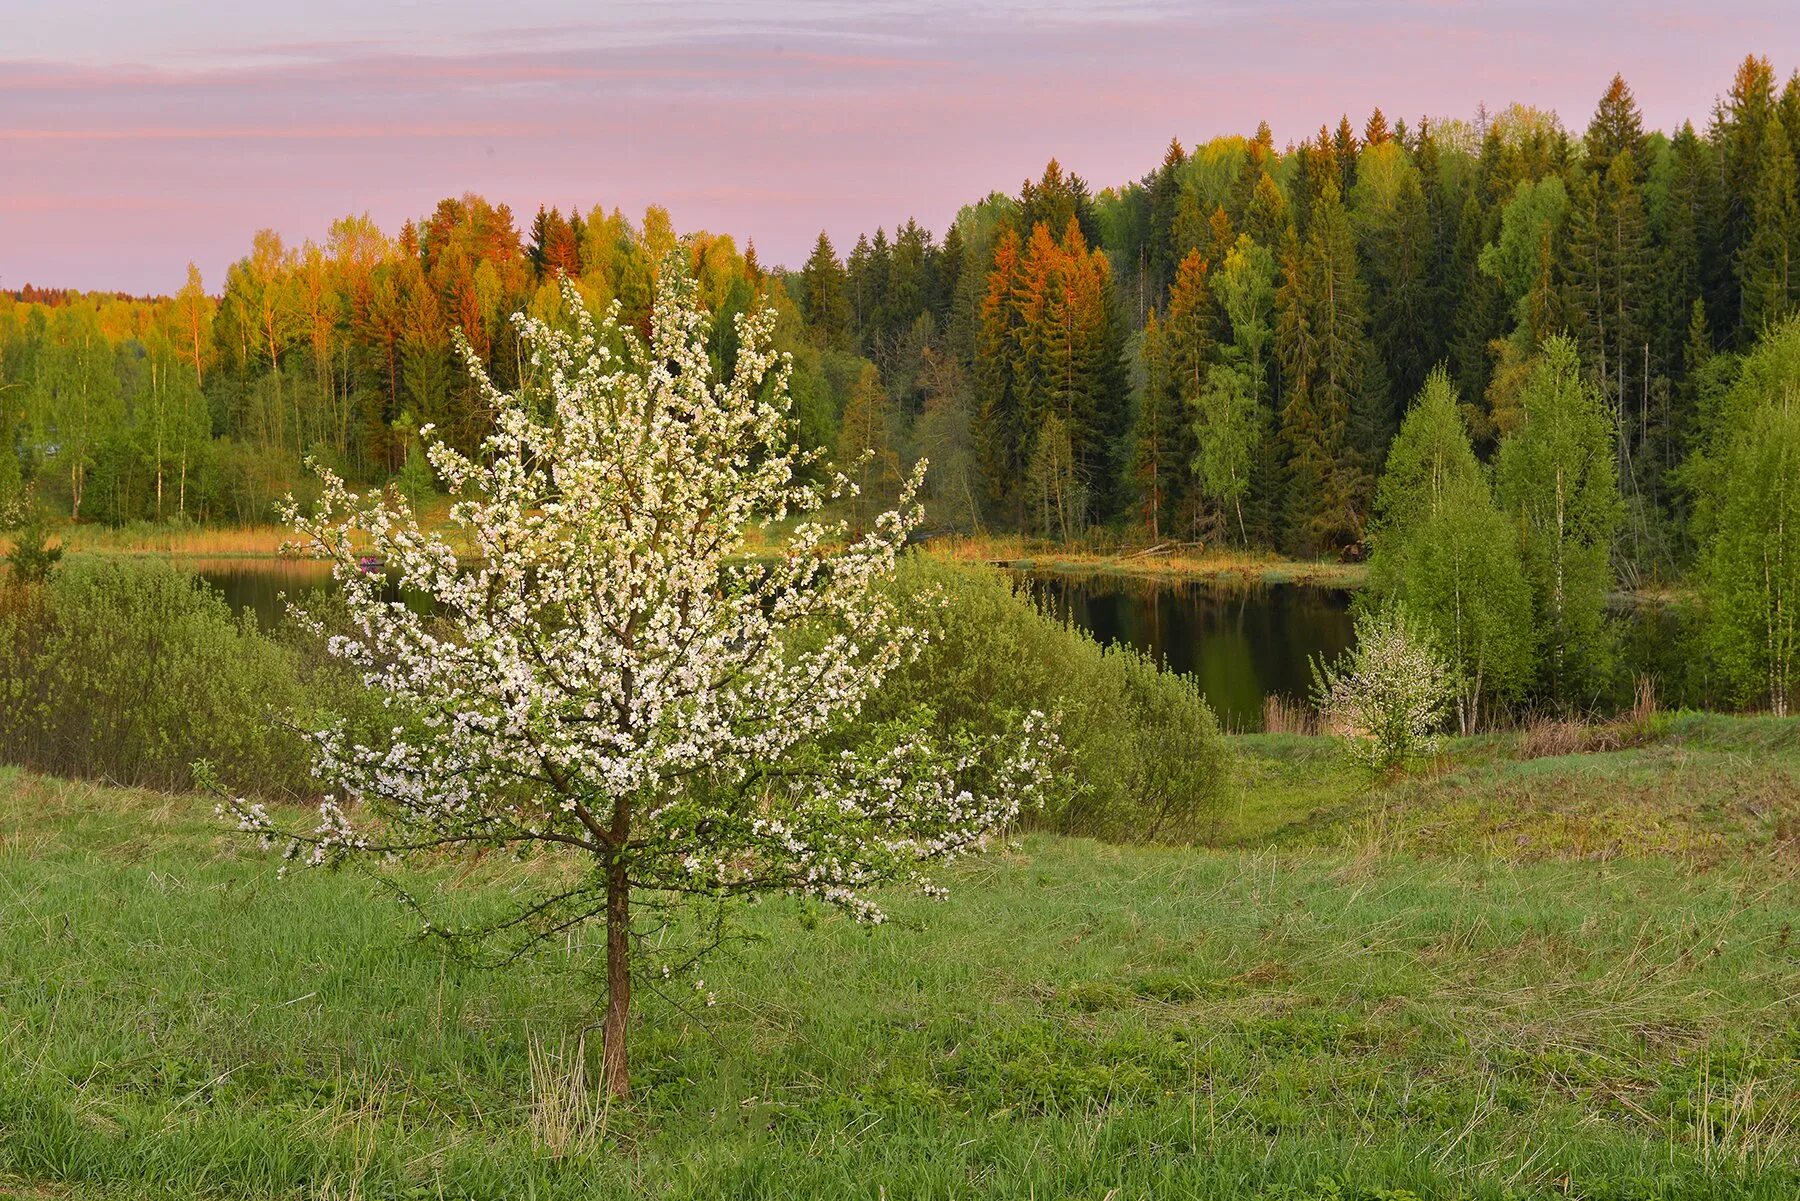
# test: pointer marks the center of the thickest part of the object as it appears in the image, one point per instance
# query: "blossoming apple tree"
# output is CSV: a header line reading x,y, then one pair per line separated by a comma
x,y
611,677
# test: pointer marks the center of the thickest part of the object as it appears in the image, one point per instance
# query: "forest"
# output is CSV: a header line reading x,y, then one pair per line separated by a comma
x,y
1221,350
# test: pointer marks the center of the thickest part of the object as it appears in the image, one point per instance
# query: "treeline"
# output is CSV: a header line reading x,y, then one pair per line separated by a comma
x,y
1223,350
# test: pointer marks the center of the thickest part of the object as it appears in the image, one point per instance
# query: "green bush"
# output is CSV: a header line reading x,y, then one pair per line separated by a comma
x,y
1147,759
130,670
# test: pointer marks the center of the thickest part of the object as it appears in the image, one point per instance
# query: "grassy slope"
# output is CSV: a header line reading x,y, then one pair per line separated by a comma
x,y
1354,997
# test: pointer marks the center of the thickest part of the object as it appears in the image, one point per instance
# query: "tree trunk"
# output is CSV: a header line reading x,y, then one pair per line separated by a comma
x,y
616,1062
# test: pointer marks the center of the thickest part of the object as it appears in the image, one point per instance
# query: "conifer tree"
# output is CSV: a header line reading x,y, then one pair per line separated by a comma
x,y
1767,271
1156,462
1610,272
1329,375
824,292
1740,134
866,448
1396,243
1480,309
1165,196
1617,127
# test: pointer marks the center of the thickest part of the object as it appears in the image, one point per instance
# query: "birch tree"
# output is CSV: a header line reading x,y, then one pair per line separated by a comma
x,y
1558,481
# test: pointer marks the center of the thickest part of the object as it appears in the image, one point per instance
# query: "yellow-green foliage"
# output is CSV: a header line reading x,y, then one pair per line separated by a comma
x,y
131,670
1147,759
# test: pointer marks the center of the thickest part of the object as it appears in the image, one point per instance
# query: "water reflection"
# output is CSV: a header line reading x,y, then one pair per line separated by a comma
x,y
1241,641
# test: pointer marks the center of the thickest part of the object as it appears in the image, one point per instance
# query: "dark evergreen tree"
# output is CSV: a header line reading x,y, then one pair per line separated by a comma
x,y
825,293
1766,268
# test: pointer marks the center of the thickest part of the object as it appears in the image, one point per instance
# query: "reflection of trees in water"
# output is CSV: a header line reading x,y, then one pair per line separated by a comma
x,y
1240,639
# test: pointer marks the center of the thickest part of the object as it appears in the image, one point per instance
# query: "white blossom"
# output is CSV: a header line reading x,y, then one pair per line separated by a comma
x,y
610,673
1389,696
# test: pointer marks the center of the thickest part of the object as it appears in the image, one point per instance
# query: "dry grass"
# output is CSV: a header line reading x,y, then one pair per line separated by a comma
x,y
1285,715
1169,560
567,1116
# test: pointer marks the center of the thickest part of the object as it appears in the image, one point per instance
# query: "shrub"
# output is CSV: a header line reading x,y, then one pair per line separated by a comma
x,y
131,670
1388,695
32,555
1147,759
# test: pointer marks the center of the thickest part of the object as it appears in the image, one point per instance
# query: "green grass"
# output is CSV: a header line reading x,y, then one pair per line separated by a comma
x,y
1379,989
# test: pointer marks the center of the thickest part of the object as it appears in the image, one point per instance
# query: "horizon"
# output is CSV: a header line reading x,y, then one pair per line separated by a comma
x,y
135,144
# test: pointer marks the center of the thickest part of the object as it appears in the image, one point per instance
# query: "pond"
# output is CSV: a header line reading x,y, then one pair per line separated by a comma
x,y
1242,642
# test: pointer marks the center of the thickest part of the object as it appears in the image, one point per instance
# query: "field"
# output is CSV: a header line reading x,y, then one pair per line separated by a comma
x,y
1540,970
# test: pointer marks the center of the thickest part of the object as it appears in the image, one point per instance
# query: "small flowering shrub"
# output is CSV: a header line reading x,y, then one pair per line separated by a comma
x,y
613,679
1389,695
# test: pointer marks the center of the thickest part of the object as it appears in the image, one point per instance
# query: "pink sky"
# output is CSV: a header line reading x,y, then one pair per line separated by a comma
x,y
133,142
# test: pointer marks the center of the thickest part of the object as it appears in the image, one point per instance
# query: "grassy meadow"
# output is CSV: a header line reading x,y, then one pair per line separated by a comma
x,y
1558,964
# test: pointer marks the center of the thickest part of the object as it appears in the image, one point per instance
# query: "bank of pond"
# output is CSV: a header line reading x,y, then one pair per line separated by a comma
x,y
1244,641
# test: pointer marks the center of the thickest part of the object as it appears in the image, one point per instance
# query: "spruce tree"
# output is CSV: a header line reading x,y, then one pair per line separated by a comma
x,y
1165,195
1617,127
1740,135
1154,430
1766,269
824,293
866,448
1334,414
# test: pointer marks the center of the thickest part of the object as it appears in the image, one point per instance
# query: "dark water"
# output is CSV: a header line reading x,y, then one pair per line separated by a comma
x,y
1242,642
261,585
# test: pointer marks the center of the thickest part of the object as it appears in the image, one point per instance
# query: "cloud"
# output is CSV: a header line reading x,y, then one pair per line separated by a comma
x,y
751,118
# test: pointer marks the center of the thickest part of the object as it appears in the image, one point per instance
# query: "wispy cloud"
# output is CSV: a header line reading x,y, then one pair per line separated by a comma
x,y
761,119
